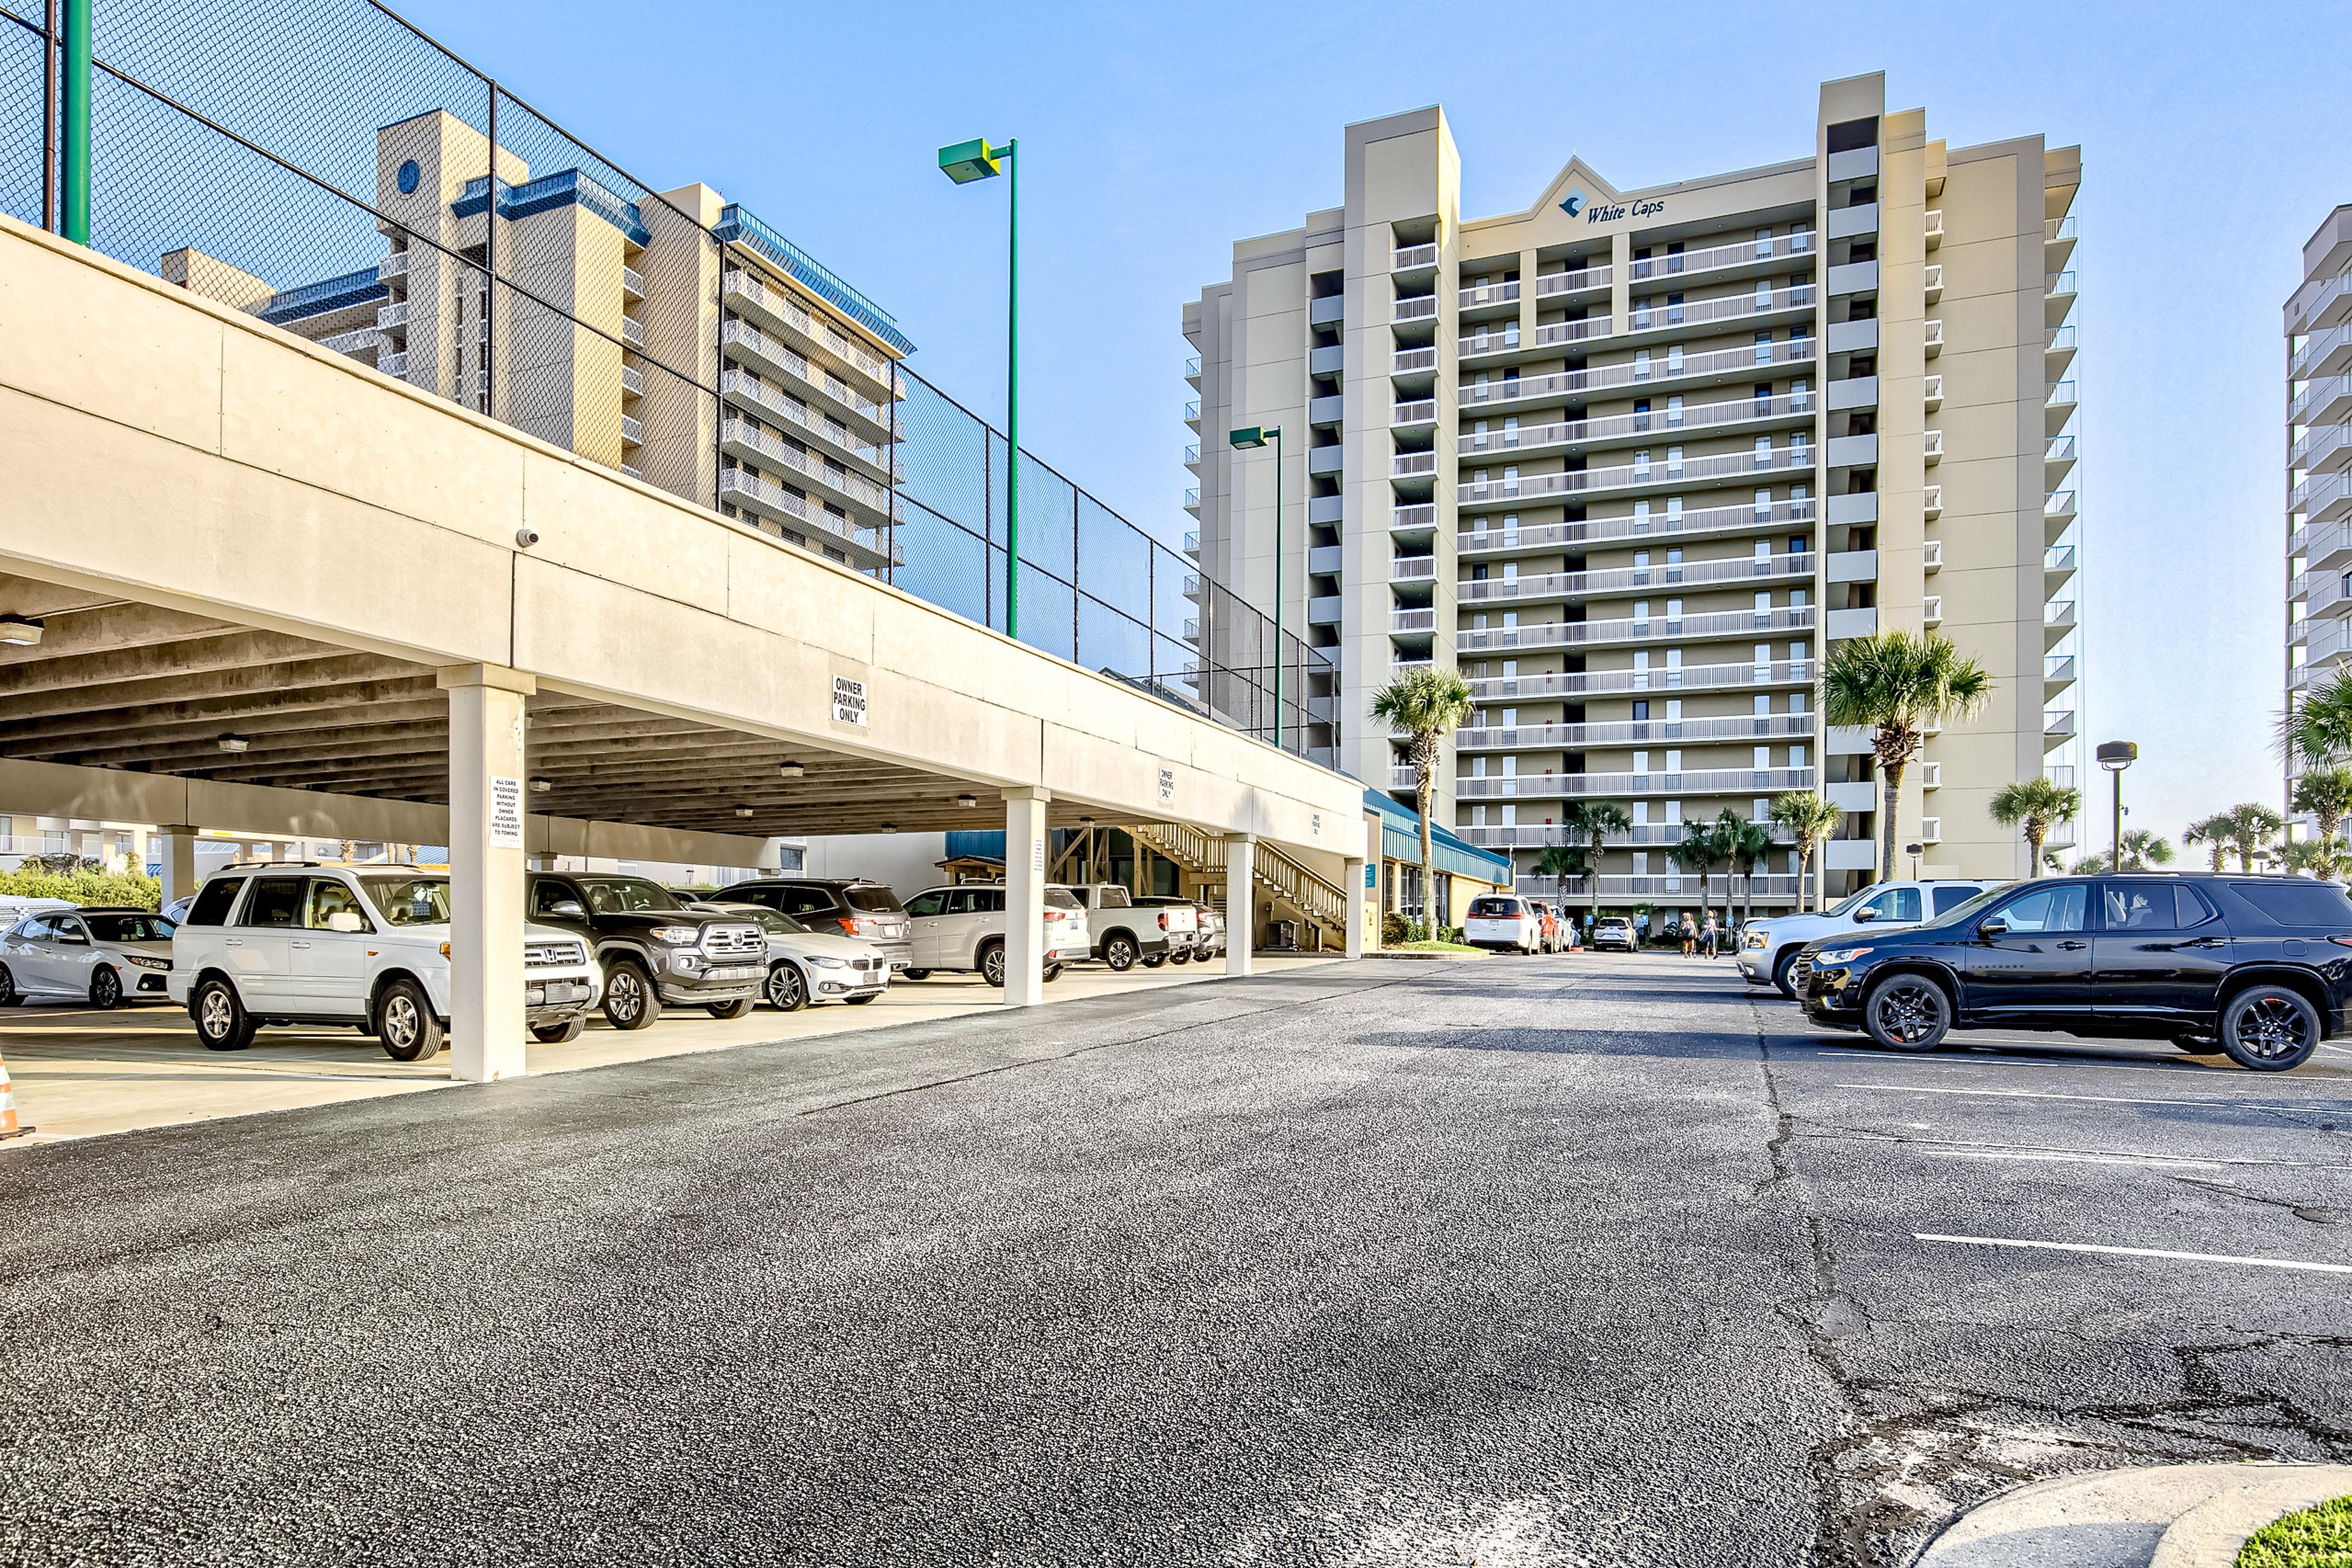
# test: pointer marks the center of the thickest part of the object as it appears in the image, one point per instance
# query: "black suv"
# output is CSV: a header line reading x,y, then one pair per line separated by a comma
x,y
851,906
2258,966
652,947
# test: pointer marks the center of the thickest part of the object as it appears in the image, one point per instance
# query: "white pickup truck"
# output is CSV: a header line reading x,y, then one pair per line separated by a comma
x,y
1128,932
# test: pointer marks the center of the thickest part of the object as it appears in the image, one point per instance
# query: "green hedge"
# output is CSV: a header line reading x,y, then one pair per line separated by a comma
x,y
131,888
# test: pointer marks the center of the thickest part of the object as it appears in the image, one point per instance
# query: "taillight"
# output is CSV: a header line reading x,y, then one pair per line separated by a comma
x,y
848,926
1163,923
1055,914
2341,941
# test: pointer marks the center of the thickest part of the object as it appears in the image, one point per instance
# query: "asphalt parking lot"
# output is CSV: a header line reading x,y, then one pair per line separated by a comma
x,y
1577,1259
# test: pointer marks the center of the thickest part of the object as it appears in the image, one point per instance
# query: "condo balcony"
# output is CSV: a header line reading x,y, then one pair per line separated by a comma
x,y
2320,544
2322,449
748,444
1416,362
633,381
2326,400
1701,626
1579,684
2321,303
1735,259
1412,411
2321,497
1567,284
2323,353
1544,835
1637,732
772,355
1555,585
1729,417
1486,296
1663,368
2057,241
1413,623
2059,406
746,392
2058,291
1490,536
1413,517
758,494
633,332
1415,307
1672,472
392,317
1192,501
1647,318
1721,889
1192,372
1586,786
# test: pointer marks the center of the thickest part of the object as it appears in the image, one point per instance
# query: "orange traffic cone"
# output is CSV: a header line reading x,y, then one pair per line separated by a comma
x,y
8,1127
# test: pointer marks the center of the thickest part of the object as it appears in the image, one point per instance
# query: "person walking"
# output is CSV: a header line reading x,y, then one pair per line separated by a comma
x,y
1690,935
1713,933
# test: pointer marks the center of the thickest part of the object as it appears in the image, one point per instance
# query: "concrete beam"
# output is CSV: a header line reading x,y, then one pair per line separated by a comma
x,y
254,714
50,700
104,629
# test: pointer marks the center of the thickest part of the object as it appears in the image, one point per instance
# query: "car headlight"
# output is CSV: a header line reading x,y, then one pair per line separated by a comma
x,y
1753,939
142,961
1840,955
676,936
822,962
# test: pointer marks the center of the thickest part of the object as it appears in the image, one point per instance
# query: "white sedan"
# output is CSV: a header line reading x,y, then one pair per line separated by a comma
x,y
99,957
805,966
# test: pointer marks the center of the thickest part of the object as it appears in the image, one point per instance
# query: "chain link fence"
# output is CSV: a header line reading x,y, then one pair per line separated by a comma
x,y
327,167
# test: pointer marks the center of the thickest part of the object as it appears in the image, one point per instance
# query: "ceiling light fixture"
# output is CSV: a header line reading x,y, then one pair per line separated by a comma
x,y
19,631
968,802
745,811
235,742
889,827
541,786
790,769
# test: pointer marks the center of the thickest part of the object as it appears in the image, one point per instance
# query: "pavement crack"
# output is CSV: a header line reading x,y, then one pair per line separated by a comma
x,y
2311,1213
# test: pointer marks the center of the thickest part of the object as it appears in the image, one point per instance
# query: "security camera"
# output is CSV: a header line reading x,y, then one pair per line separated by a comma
x,y
526,537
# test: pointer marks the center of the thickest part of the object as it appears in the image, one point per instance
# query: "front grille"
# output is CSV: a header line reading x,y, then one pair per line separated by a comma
x,y
1798,972
552,955
734,942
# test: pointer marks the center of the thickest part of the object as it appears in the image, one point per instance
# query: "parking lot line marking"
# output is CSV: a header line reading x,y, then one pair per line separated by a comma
x,y
2063,1158
2102,1099
1965,1148
2138,1252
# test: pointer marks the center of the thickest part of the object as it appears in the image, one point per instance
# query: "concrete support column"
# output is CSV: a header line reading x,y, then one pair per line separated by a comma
x,y
486,881
1352,879
1025,851
179,860
1241,902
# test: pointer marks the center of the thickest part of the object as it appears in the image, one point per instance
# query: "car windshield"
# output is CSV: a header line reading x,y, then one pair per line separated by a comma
x,y
127,927
627,896
872,900
1851,900
410,899
771,921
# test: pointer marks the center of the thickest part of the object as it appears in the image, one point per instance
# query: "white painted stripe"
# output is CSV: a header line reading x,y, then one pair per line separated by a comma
x,y
2169,1162
2138,1252
1976,1149
2105,1099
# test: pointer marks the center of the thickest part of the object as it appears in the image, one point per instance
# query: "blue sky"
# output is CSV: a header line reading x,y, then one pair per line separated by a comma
x,y
2213,141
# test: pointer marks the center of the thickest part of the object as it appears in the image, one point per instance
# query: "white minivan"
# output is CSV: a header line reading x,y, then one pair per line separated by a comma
x,y
1505,922
365,945
962,927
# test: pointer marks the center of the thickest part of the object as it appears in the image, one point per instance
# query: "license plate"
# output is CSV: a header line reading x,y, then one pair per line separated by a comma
x,y
733,972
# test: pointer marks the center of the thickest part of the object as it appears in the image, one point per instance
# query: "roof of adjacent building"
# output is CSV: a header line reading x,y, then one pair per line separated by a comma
x,y
1400,841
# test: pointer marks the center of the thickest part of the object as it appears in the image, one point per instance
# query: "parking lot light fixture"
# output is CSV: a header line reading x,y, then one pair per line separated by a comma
x,y
2114,756
967,162
1249,438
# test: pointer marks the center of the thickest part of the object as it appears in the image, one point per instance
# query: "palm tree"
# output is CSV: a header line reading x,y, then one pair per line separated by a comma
x,y
1593,820
2143,848
1748,844
2325,794
2314,857
2320,728
2252,825
1429,705
1895,685
2089,865
2213,833
1805,817
1702,846
2035,806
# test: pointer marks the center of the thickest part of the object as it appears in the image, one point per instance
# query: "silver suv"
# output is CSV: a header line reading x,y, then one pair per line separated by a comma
x,y
962,927
1767,947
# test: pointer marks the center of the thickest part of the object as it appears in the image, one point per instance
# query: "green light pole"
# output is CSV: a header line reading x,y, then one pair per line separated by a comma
x,y
1249,438
964,162
73,145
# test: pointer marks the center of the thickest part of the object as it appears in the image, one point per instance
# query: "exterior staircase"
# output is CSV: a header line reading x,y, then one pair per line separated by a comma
x,y
1321,905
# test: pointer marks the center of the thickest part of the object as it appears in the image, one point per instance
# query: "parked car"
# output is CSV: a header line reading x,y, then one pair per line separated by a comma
x,y
2254,967
99,955
1124,934
301,944
1769,947
1181,918
1614,934
963,928
1503,922
805,966
1212,942
857,907
652,947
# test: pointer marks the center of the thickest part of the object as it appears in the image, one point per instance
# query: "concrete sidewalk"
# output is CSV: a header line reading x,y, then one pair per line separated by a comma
x,y
79,1073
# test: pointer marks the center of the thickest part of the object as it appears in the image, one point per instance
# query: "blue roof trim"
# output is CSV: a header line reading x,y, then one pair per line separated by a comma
x,y
549,192
1401,839
736,224
327,293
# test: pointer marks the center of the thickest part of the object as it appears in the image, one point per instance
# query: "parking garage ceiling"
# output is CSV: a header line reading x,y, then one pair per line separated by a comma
x,y
117,683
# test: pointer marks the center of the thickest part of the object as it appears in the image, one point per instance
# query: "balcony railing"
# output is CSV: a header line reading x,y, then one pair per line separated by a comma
x,y
1624,578
1418,517
633,431
1193,499
1583,281
1543,835
2058,284
1421,411
1411,258
771,352
1722,889
394,265
748,438
1716,623
1721,467
2056,229
1656,422
762,494
2058,669
1192,368
1483,294
1690,781
1582,330
1412,464
1413,623
1416,307
1652,318
391,316
632,331
395,363
750,289
1491,534
1412,569
1644,369
1409,362
1740,253
1637,732
633,381
743,387
1678,678
1505,341
2316,392
633,284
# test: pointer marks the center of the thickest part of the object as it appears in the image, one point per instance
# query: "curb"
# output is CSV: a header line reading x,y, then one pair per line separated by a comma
x,y
2163,1516
1425,957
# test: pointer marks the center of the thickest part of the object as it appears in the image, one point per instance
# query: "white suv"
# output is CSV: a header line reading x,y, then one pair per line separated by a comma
x,y
351,945
963,929
1503,920
1767,947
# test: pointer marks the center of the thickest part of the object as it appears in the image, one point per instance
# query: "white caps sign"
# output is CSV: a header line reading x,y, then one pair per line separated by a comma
x,y
848,701
506,812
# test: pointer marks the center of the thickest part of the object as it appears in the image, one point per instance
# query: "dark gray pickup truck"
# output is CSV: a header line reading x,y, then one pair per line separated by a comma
x,y
652,947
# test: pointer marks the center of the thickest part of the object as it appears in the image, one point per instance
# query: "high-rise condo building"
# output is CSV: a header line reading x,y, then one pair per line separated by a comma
x,y
2319,463
1633,460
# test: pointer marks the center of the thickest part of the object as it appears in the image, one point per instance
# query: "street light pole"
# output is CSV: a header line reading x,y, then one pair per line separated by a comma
x,y
963,163
73,142
2114,756
1246,439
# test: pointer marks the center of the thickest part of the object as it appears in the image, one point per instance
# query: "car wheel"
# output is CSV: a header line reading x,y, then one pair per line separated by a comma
x,y
1120,952
1908,1012
9,994
787,992
914,974
861,1001
1780,967
2269,1029
733,1009
405,1023
630,1000
1155,960
559,1033
105,988
222,1022
991,964
1184,957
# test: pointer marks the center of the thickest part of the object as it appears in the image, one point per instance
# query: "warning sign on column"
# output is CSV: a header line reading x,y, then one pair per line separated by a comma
x,y
506,813
848,701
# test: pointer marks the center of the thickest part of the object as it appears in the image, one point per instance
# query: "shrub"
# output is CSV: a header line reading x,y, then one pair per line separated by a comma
x,y
132,888
1392,929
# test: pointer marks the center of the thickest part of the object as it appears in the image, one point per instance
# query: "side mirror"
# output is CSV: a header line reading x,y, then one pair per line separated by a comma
x,y
1862,915
568,909
345,920
1992,929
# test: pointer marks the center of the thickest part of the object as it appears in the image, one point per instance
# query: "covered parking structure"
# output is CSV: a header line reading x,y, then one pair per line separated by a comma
x,y
278,590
